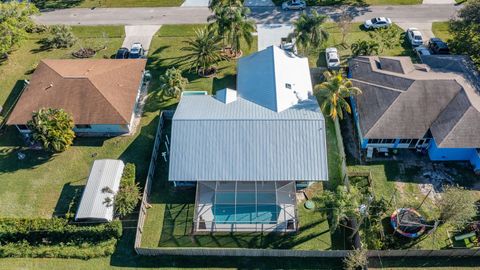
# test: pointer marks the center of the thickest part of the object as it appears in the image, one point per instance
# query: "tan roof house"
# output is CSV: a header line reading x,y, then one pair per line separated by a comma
x,y
101,95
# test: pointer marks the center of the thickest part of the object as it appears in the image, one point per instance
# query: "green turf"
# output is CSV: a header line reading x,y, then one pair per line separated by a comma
x,y
441,30
356,2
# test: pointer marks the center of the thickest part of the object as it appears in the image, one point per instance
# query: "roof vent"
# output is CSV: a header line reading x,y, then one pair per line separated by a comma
x,y
49,86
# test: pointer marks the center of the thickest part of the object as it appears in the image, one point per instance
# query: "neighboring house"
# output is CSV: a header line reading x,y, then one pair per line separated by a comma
x,y
433,106
101,95
99,193
248,150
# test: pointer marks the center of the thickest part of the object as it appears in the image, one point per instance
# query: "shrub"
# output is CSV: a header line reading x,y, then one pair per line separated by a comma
x,y
53,128
56,230
61,36
172,83
126,199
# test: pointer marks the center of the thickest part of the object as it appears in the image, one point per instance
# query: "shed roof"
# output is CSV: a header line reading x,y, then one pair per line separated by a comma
x,y
93,91
105,174
404,100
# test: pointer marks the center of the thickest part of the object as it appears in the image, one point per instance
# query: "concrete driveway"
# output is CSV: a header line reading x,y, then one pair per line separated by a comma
x,y
424,28
139,33
272,34
195,3
258,3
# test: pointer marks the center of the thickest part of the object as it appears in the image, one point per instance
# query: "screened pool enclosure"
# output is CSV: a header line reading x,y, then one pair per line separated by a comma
x,y
245,206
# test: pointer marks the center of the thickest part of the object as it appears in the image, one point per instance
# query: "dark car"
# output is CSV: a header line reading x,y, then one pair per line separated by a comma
x,y
122,53
437,46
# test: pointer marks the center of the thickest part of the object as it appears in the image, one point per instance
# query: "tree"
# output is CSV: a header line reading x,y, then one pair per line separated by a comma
x,y
203,51
334,92
309,32
455,207
356,259
172,83
344,23
126,199
53,128
232,23
61,36
387,37
344,204
364,47
14,22
216,4
465,31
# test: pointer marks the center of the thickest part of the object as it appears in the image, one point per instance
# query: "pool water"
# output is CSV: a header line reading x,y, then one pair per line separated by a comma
x,y
245,213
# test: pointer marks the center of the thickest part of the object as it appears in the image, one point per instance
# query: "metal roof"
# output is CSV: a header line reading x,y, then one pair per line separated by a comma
x,y
243,141
104,173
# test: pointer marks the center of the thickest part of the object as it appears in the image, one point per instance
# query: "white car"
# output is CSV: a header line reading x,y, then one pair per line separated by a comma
x,y
377,23
414,36
421,51
333,60
288,44
294,5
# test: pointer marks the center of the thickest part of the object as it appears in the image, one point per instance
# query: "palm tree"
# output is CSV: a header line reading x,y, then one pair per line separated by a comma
x,y
365,47
344,204
204,51
216,4
308,30
334,92
232,24
172,83
53,128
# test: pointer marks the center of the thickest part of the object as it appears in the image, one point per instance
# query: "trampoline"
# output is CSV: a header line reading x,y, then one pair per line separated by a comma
x,y
408,222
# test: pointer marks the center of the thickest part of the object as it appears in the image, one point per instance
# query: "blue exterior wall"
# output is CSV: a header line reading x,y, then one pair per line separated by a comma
x,y
454,154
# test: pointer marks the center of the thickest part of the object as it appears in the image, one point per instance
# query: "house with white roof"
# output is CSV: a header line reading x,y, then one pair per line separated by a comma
x,y
248,150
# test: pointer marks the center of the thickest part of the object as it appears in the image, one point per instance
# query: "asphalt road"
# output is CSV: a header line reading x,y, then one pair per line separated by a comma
x,y
191,15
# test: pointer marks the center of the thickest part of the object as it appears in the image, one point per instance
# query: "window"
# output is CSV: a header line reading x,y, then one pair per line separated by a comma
x,y
388,141
373,141
83,126
405,141
22,127
288,86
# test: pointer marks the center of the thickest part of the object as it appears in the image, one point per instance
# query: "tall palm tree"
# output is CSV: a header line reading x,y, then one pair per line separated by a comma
x,y
216,4
334,92
344,204
204,51
308,30
232,23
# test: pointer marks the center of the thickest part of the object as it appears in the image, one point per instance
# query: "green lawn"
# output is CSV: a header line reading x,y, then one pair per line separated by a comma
x,y
58,4
356,2
441,30
356,32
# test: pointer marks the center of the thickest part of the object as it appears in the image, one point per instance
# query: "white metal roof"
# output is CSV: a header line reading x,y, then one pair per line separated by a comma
x,y
103,182
274,78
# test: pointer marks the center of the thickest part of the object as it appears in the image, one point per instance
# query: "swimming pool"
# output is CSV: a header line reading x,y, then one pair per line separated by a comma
x,y
246,213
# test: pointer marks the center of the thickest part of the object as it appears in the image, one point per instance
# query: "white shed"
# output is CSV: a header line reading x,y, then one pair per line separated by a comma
x,y
98,195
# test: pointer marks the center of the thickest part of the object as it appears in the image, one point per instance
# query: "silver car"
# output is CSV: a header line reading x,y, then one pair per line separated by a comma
x,y
378,22
333,60
294,5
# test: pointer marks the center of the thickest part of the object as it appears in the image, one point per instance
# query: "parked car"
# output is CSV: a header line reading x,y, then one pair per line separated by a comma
x,y
437,46
421,51
122,53
294,5
288,44
136,51
414,36
333,60
377,23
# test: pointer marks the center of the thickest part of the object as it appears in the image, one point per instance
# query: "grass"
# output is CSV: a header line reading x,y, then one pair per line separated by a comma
x,y
59,4
441,30
356,2
356,32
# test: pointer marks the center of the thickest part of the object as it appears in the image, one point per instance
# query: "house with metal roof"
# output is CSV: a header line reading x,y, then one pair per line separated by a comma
x,y
99,193
100,94
433,107
247,150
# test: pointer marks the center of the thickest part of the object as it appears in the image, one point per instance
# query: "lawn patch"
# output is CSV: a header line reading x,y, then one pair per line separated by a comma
x,y
442,30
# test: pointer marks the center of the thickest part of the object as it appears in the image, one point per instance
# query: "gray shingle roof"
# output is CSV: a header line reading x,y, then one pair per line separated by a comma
x,y
407,102
242,141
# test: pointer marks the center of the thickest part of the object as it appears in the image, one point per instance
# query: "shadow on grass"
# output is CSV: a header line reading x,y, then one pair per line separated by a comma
x,y
69,199
56,4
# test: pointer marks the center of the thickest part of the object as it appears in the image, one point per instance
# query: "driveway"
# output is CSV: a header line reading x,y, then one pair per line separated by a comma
x,y
262,15
139,33
258,3
195,3
424,28
271,34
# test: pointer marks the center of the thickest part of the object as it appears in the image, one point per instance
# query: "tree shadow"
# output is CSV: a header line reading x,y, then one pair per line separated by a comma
x,y
13,97
227,81
56,4
90,141
69,200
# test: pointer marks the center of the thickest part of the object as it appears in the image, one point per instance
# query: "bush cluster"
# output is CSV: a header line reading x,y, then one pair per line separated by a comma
x,y
56,238
128,176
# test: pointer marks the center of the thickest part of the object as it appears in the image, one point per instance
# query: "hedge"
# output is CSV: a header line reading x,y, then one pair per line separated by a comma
x,y
84,251
55,231
128,176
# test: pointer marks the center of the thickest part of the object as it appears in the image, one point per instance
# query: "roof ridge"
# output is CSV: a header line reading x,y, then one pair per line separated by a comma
x,y
384,113
106,99
457,122
380,86
274,78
